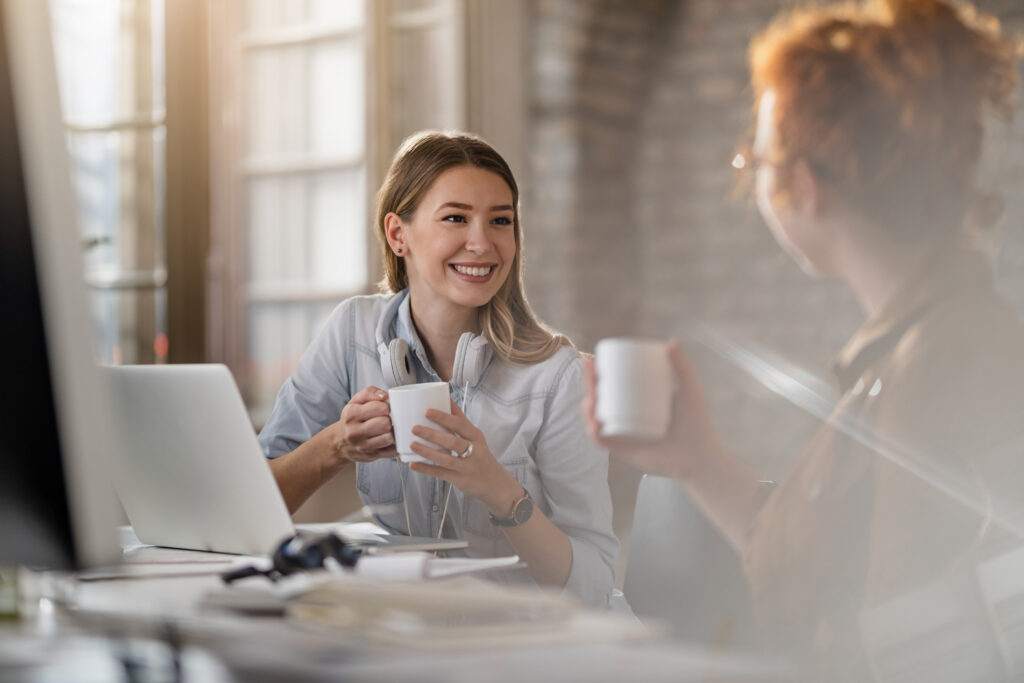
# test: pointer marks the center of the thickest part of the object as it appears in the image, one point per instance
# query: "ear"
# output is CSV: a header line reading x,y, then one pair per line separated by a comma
x,y
394,231
807,195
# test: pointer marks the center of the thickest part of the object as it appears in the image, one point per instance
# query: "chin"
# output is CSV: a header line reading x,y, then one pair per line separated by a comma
x,y
470,299
473,296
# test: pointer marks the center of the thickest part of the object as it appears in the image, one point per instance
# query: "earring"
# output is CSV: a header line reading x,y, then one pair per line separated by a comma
x,y
400,251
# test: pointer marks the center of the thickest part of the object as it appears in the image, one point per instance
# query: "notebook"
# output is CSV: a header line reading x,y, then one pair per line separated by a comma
x,y
190,472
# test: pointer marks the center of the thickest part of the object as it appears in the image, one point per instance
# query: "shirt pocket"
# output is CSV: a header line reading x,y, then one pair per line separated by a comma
x,y
524,469
379,481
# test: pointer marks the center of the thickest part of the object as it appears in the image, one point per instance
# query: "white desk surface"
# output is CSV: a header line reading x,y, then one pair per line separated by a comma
x,y
166,606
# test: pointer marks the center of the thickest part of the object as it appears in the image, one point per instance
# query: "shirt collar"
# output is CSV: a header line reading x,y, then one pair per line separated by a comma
x,y
937,278
404,329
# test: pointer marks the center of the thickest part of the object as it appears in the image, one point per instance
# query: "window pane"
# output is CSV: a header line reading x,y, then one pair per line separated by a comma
x,y
340,13
415,5
129,325
273,117
264,14
95,44
118,180
336,81
156,18
426,56
278,334
308,231
86,47
301,101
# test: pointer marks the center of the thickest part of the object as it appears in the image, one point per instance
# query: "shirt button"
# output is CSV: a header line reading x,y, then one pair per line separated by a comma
x,y
434,508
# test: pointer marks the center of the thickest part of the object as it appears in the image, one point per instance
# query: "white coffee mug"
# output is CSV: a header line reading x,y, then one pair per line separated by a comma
x,y
635,383
409,405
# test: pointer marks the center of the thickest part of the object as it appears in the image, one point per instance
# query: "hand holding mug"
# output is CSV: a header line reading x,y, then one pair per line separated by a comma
x,y
365,427
665,431
464,460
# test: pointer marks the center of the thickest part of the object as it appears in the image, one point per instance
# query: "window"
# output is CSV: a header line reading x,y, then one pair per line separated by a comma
x,y
290,189
110,68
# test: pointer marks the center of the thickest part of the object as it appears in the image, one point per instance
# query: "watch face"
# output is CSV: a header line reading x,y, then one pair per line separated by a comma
x,y
523,511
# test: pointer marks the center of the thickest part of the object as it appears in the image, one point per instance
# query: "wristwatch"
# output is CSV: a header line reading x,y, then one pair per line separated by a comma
x,y
522,510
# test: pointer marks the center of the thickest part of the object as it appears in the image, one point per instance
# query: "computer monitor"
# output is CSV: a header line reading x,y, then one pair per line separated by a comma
x,y
58,508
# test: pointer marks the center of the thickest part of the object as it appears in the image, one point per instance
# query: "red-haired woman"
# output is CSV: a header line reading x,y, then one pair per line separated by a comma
x,y
869,132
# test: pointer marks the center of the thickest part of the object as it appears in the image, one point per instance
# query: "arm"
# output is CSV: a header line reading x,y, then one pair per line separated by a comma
x,y
362,434
317,426
726,491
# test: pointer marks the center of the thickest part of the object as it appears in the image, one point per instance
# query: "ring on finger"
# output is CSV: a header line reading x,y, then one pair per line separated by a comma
x,y
468,452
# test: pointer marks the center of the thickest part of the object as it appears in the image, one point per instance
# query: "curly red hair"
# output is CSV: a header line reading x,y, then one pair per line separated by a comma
x,y
885,101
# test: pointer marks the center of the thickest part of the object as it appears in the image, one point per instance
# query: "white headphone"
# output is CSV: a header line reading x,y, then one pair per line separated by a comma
x,y
471,354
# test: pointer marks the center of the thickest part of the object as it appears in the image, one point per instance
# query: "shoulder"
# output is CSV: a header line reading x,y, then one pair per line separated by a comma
x,y
359,312
564,366
973,332
959,370
543,380
365,305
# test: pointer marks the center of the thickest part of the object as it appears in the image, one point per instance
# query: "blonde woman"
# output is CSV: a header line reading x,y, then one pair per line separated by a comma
x,y
528,481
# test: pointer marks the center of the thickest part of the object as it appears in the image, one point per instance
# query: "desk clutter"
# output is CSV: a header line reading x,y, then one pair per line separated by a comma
x,y
418,599
168,615
431,614
412,599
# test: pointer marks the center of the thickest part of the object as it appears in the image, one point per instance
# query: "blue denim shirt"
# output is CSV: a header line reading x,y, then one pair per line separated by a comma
x,y
529,414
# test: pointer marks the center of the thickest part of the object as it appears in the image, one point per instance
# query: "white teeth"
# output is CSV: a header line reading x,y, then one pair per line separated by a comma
x,y
468,270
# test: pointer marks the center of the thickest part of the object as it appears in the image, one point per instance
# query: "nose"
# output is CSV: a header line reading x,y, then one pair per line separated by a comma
x,y
477,239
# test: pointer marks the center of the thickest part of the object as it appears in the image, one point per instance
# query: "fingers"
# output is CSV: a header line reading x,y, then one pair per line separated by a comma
x,y
452,442
457,422
365,406
366,421
681,363
435,471
377,430
441,458
379,442
369,393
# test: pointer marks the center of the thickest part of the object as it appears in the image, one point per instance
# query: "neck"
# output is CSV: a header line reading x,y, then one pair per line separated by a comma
x,y
876,267
439,325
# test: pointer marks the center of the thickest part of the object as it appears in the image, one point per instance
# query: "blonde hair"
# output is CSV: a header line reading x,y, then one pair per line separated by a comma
x,y
507,321
885,101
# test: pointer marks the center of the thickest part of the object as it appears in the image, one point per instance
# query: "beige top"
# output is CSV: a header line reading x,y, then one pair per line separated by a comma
x,y
895,490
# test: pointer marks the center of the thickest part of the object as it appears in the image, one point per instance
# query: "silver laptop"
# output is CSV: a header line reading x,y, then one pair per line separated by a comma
x,y
190,472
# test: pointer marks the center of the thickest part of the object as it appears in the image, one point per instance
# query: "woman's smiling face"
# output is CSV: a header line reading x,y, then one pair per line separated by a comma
x,y
459,244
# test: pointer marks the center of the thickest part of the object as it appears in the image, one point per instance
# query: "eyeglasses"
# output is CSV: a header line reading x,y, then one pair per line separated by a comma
x,y
746,161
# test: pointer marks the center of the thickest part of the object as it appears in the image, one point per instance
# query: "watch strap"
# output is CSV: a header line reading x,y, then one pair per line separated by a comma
x,y
511,521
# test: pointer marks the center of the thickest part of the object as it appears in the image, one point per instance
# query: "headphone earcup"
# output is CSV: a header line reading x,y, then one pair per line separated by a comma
x,y
396,363
470,359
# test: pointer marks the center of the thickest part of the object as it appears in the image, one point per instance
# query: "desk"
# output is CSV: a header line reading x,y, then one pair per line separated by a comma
x,y
162,624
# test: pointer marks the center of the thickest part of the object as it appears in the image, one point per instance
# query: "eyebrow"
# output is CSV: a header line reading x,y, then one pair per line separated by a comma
x,y
469,207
